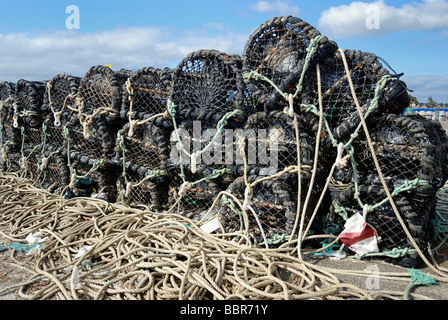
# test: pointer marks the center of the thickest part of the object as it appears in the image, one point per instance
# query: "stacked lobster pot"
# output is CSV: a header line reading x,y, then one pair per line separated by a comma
x,y
408,154
142,146
286,142
28,116
271,144
10,137
412,155
60,107
206,103
91,141
274,60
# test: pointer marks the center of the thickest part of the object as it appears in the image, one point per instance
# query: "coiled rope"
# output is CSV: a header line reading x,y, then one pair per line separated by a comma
x,y
134,254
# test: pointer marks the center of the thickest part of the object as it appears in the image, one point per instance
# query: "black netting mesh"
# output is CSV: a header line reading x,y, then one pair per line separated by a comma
x,y
147,93
211,173
28,103
339,107
60,105
102,177
91,139
29,117
198,198
143,152
271,143
273,215
102,87
207,84
411,152
209,97
10,138
28,107
100,99
405,149
277,50
47,169
390,233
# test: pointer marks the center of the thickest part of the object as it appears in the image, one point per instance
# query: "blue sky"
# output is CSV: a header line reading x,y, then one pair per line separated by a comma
x,y
35,44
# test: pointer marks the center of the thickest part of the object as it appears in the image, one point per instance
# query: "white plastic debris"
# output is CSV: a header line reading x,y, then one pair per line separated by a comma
x,y
35,238
210,226
358,236
83,251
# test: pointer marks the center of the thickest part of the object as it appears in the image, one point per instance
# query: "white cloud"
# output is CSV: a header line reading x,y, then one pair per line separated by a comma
x,y
278,6
34,56
358,18
424,86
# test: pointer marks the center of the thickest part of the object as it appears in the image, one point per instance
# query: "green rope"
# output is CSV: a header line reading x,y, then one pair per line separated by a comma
x,y
418,279
311,50
394,253
22,149
215,174
97,164
227,201
171,107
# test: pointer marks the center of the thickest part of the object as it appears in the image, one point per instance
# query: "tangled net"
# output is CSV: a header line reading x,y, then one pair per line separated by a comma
x,y
275,150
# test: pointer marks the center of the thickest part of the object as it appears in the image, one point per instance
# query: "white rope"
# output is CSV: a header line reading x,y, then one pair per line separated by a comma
x,y
184,188
290,111
247,198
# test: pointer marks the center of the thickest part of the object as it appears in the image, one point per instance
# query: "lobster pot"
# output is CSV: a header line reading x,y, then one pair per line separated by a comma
x,y
215,149
207,84
271,214
10,137
100,99
47,169
411,152
146,93
338,104
271,144
196,200
29,112
390,234
210,173
277,50
143,152
60,105
407,148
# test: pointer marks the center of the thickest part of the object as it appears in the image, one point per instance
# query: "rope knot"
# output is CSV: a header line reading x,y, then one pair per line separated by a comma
x,y
132,125
341,162
194,161
44,163
57,118
184,188
15,118
290,111
72,181
128,189
248,193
